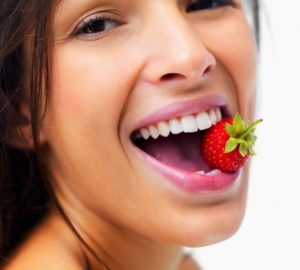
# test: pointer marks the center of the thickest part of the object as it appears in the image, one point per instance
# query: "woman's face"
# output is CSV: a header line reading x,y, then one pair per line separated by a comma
x,y
120,66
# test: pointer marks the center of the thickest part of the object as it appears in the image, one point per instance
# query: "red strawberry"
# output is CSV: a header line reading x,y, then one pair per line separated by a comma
x,y
227,145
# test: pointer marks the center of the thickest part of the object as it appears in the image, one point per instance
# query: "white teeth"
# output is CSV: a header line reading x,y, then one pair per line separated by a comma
x,y
163,128
211,173
189,124
218,114
213,116
214,172
175,126
154,132
203,121
145,133
186,124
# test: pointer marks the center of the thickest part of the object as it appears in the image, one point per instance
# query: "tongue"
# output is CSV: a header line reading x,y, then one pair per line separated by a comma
x,y
180,151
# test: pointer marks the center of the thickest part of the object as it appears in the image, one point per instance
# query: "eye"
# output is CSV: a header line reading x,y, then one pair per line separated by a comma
x,y
95,25
196,5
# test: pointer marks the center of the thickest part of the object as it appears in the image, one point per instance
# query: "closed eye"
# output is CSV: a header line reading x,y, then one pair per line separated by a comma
x,y
197,5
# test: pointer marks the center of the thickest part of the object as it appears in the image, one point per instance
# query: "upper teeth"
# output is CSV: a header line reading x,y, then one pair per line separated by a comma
x,y
184,124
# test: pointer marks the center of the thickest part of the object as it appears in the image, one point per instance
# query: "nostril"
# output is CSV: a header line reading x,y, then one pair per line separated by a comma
x,y
207,70
171,76
174,76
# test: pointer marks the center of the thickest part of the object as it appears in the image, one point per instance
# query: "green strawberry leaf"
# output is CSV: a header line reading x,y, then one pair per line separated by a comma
x,y
252,152
251,139
238,124
230,130
241,135
231,144
243,149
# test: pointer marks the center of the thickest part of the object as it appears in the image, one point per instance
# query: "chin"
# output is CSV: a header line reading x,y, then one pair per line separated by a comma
x,y
212,224
211,236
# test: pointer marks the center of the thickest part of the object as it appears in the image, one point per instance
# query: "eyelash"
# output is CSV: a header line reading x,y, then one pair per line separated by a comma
x,y
209,4
90,26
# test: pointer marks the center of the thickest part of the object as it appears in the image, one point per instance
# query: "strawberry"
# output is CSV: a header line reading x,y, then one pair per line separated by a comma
x,y
227,145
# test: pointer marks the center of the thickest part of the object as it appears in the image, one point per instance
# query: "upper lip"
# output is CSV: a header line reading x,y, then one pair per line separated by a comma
x,y
182,108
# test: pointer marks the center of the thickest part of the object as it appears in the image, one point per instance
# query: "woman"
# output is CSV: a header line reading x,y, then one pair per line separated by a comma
x,y
83,86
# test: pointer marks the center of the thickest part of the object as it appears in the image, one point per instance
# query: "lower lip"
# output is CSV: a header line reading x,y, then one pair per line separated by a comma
x,y
192,182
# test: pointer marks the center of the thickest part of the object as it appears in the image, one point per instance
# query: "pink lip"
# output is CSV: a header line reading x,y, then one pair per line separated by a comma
x,y
191,181
183,108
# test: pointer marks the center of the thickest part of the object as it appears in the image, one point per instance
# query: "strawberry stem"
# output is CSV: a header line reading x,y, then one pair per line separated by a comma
x,y
250,129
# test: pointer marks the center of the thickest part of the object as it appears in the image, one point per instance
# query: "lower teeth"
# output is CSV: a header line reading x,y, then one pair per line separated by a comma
x,y
211,173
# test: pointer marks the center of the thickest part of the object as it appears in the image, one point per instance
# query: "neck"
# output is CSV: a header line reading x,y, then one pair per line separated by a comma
x,y
118,247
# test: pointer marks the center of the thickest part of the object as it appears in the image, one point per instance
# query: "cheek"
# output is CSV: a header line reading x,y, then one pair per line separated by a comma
x,y
243,71
88,94
87,85
238,57
89,91
83,116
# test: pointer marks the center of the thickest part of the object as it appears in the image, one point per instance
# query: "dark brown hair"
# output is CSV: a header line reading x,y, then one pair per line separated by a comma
x,y
24,191
23,196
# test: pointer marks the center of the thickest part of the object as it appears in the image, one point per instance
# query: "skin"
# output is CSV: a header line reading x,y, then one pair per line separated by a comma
x,y
116,201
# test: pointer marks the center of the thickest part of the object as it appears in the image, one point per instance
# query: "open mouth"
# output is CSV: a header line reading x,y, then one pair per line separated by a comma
x,y
176,142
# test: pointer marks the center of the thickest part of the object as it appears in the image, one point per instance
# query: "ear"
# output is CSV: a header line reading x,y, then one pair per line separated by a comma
x,y
21,137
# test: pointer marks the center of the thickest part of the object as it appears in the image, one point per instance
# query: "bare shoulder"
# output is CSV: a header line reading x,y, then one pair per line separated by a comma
x,y
189,264
42,250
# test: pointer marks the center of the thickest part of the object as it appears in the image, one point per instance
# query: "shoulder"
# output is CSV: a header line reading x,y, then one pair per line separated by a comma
x,y
189,263
42,250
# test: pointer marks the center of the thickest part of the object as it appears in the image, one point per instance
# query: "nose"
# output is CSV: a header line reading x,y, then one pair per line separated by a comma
x,y
176,51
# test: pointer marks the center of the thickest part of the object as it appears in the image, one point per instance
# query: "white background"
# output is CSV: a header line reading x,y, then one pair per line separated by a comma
x,y
269,238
